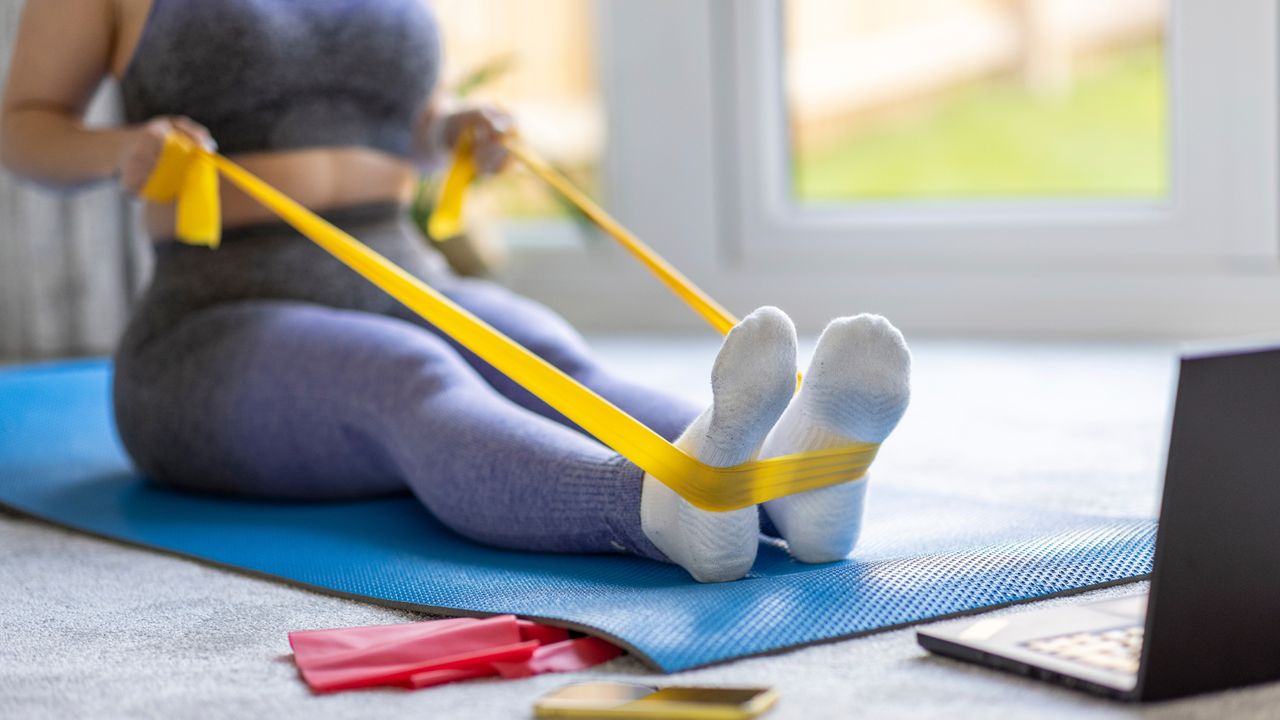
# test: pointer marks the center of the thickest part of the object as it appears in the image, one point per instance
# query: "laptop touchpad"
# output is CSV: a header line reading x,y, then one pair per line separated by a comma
x,y
1132,608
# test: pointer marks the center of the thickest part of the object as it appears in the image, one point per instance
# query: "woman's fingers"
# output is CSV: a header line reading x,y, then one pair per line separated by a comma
x,y
498,120
195,131
488,126
140,156
492,155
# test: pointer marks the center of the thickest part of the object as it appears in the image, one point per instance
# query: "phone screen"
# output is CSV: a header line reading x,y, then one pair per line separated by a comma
x,y
596,695
714,696
614,699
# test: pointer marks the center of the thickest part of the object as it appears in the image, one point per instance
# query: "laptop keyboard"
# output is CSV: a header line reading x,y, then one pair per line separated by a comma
x,y
1117,649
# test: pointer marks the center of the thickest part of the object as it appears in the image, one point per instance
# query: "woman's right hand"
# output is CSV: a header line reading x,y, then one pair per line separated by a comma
x,y
142,152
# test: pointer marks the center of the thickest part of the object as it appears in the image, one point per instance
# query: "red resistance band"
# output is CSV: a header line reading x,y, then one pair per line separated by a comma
x,y
435,652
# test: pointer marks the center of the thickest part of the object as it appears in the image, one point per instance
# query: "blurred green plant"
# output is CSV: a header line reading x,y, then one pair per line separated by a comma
x,y
488,72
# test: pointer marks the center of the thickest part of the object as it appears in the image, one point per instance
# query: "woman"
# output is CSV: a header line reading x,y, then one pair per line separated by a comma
x,y
267,368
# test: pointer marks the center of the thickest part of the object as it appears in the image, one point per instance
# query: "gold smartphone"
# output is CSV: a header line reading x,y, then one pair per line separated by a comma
x,y
631,700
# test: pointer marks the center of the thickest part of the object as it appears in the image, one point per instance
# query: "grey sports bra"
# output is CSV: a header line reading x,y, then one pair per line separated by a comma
x,y
285,74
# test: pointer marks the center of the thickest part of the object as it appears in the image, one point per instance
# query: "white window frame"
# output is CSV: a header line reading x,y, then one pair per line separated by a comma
x,y
697,165
1220,201
659,175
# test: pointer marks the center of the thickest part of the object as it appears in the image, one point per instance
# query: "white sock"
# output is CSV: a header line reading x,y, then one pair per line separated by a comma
x,y
752,381
856,389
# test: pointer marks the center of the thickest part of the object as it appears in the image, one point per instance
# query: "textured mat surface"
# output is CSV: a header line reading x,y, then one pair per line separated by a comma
x,y
922,556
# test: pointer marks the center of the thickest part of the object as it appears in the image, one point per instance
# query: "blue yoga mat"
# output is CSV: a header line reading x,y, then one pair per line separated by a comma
x,y
922,556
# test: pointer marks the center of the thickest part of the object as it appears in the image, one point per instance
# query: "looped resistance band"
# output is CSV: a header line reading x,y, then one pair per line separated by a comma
x,y
188,174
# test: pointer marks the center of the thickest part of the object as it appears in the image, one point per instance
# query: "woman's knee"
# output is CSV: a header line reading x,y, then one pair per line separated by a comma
x,y
565,350
412,362
537,327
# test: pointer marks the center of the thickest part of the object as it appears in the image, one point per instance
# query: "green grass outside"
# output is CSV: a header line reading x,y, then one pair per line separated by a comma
x,y
993,138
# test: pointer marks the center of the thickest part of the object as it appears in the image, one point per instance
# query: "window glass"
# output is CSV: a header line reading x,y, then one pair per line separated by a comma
x,y
976,98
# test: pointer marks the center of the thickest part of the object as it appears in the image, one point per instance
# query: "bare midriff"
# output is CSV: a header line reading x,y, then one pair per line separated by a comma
x,y
319,178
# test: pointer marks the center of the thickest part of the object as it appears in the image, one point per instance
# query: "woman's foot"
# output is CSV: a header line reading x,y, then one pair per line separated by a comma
x,y
856,389
752,381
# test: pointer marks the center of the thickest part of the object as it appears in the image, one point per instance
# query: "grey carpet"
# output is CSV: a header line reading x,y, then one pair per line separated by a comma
x,y
95,629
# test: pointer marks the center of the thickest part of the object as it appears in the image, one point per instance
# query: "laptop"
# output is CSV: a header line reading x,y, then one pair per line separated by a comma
x,y
1211,618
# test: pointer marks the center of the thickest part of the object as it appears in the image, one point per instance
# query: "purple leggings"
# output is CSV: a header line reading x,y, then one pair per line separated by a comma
x,y
264,368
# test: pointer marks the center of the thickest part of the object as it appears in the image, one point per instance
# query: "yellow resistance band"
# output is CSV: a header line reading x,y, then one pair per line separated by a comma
x,y
715,314
187,174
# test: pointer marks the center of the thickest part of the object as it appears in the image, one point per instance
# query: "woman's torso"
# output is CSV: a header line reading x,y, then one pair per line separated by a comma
x,y
318,97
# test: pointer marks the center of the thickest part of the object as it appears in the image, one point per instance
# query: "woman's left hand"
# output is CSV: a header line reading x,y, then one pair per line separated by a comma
x,y
488,126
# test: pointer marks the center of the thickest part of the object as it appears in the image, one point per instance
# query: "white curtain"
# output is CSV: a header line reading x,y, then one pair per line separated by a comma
x,y
70,262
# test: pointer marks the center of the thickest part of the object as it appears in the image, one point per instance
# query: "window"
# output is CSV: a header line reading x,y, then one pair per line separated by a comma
x,y
1216,131
975,98
770,180
538,61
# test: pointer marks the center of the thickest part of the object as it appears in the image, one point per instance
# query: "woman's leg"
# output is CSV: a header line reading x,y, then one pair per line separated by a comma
x,y
295,400
551,337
